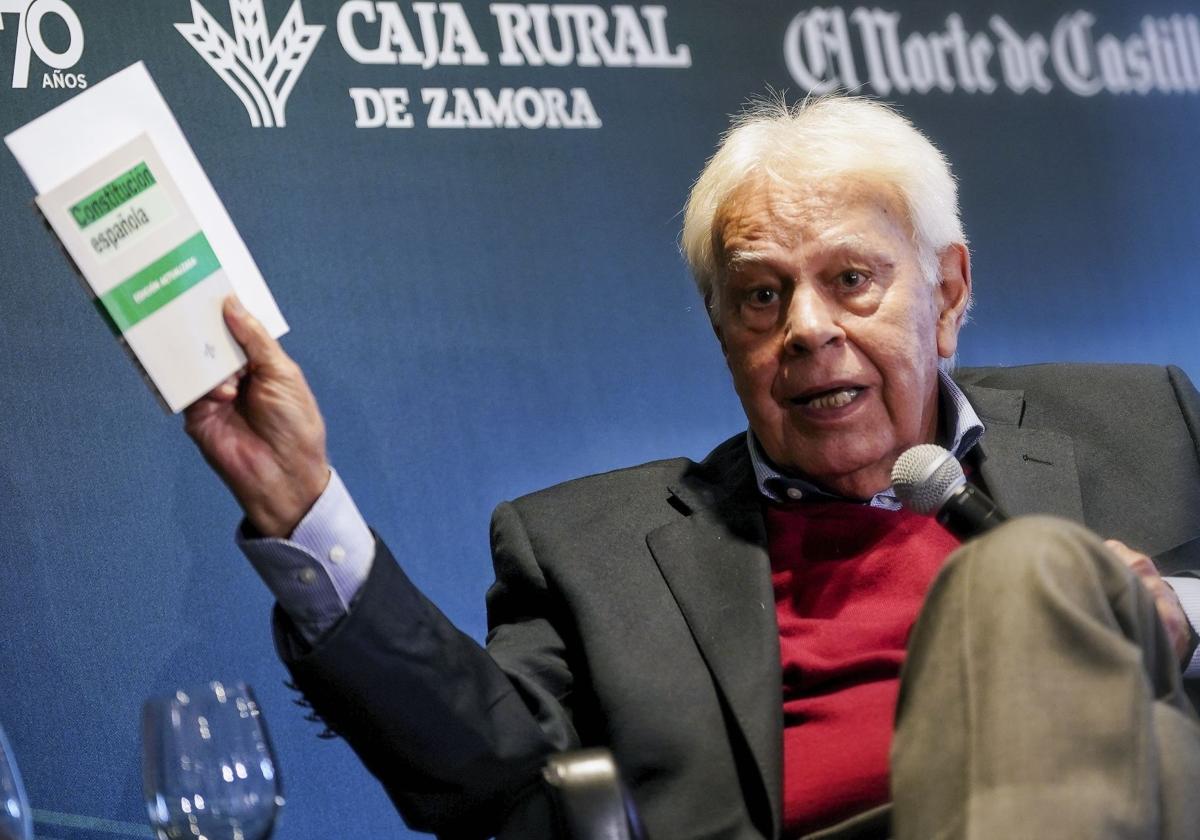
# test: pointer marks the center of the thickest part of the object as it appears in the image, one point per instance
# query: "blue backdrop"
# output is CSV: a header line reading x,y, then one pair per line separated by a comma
x,y
486,311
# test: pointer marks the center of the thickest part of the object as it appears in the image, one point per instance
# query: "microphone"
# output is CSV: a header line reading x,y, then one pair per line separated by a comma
x,y
929,480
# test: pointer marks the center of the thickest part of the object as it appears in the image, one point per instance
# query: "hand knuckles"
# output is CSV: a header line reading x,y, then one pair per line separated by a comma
x,y
1141,564
282,365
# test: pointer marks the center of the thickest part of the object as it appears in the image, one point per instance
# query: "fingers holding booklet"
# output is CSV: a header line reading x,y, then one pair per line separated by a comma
x,y
262,432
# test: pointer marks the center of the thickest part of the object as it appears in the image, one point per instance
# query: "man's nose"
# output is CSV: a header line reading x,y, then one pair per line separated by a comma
x,y
811,321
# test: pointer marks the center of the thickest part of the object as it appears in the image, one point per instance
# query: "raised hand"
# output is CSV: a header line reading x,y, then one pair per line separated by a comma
x,y
262,432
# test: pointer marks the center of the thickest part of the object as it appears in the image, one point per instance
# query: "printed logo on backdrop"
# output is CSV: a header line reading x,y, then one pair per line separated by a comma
x,y
27,38
428,36
259,68
829,48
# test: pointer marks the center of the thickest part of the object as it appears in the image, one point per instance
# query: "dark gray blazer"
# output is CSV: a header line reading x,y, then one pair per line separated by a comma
x,y
634,609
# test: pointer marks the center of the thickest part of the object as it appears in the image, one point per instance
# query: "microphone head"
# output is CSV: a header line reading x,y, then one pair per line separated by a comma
x,y
925,476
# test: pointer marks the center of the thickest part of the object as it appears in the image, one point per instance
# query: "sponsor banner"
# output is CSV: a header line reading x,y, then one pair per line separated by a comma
x,y
834,48
261,67
28,22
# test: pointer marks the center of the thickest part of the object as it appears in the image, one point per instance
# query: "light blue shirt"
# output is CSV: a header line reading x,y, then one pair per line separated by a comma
x,y
316,573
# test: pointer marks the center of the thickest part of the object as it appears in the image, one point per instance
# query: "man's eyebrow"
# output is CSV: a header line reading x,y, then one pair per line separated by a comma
x,y
853,246
743,257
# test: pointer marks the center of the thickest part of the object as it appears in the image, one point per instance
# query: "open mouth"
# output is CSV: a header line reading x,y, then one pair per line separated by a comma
x,y
831,398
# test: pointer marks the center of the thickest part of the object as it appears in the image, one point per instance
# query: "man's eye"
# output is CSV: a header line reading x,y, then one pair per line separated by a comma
x,y
852,280
763,297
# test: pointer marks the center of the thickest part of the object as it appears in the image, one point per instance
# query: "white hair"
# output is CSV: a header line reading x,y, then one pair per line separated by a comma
x,y
817,140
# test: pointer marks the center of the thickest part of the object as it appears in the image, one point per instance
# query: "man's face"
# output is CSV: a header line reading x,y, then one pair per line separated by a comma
x,y
830,330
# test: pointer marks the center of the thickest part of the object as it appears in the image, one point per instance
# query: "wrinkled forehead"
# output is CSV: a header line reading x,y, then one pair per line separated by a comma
x,y
765,211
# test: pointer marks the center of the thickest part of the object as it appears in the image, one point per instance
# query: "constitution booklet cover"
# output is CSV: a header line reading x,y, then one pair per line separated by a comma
x,y
122,189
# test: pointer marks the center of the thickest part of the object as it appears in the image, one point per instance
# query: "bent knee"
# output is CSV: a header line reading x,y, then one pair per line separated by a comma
x,y
1037,546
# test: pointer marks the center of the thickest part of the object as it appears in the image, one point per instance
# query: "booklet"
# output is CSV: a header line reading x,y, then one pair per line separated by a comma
x,y
122,189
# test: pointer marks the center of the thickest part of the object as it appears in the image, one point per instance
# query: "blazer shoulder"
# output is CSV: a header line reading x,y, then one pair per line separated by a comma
x,y
613,484
642,486
1067,376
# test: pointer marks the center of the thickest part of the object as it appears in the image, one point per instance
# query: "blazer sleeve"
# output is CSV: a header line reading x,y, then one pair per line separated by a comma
x,y
457,734
1184,559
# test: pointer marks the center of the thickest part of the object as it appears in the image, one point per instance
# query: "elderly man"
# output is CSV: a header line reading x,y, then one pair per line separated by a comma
x,y
734,630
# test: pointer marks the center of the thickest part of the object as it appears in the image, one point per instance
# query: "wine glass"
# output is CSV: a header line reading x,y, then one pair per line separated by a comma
x,y
16,823
208,772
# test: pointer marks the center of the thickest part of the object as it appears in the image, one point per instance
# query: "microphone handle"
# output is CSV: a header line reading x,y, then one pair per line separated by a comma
x,y
969,513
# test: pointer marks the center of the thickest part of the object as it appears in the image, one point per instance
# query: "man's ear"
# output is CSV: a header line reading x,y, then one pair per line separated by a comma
x,y
953,296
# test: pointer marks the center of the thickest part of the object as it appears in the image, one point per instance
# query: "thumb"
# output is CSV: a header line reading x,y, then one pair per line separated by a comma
x,y
254,339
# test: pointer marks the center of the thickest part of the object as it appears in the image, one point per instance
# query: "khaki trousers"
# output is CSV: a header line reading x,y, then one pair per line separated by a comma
x,y
1041,699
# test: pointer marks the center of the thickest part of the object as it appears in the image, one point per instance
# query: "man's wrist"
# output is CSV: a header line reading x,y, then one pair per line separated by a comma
x,y
316,572
277,516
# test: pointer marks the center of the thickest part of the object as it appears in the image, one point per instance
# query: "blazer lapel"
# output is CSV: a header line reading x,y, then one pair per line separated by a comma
x,y
1025,470
715,562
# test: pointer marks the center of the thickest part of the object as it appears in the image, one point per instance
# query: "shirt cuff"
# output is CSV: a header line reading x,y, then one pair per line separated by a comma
x,y
1188,590
316,573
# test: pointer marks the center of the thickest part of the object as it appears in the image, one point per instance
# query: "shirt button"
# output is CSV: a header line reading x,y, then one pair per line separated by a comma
x,y
307,576
337,554
795,493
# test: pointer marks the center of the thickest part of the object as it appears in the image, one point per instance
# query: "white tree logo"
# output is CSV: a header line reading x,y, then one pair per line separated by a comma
x,y
260,69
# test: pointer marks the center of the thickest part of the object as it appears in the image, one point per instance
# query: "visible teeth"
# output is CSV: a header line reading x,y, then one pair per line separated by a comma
x,y
835,399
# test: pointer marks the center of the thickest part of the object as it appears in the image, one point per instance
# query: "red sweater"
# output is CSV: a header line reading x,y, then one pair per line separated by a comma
x,y
849,580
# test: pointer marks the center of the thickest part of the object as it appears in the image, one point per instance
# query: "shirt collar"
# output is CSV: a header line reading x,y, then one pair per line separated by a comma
x,y
961,424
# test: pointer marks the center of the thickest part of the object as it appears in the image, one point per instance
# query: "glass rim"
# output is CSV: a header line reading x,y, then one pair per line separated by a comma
x,y
202,689
156,704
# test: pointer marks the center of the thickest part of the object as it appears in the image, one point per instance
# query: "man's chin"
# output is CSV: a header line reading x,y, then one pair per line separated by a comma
x,y
853,479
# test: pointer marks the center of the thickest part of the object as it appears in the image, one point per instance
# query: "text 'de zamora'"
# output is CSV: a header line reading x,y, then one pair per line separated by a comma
x,y
524,107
